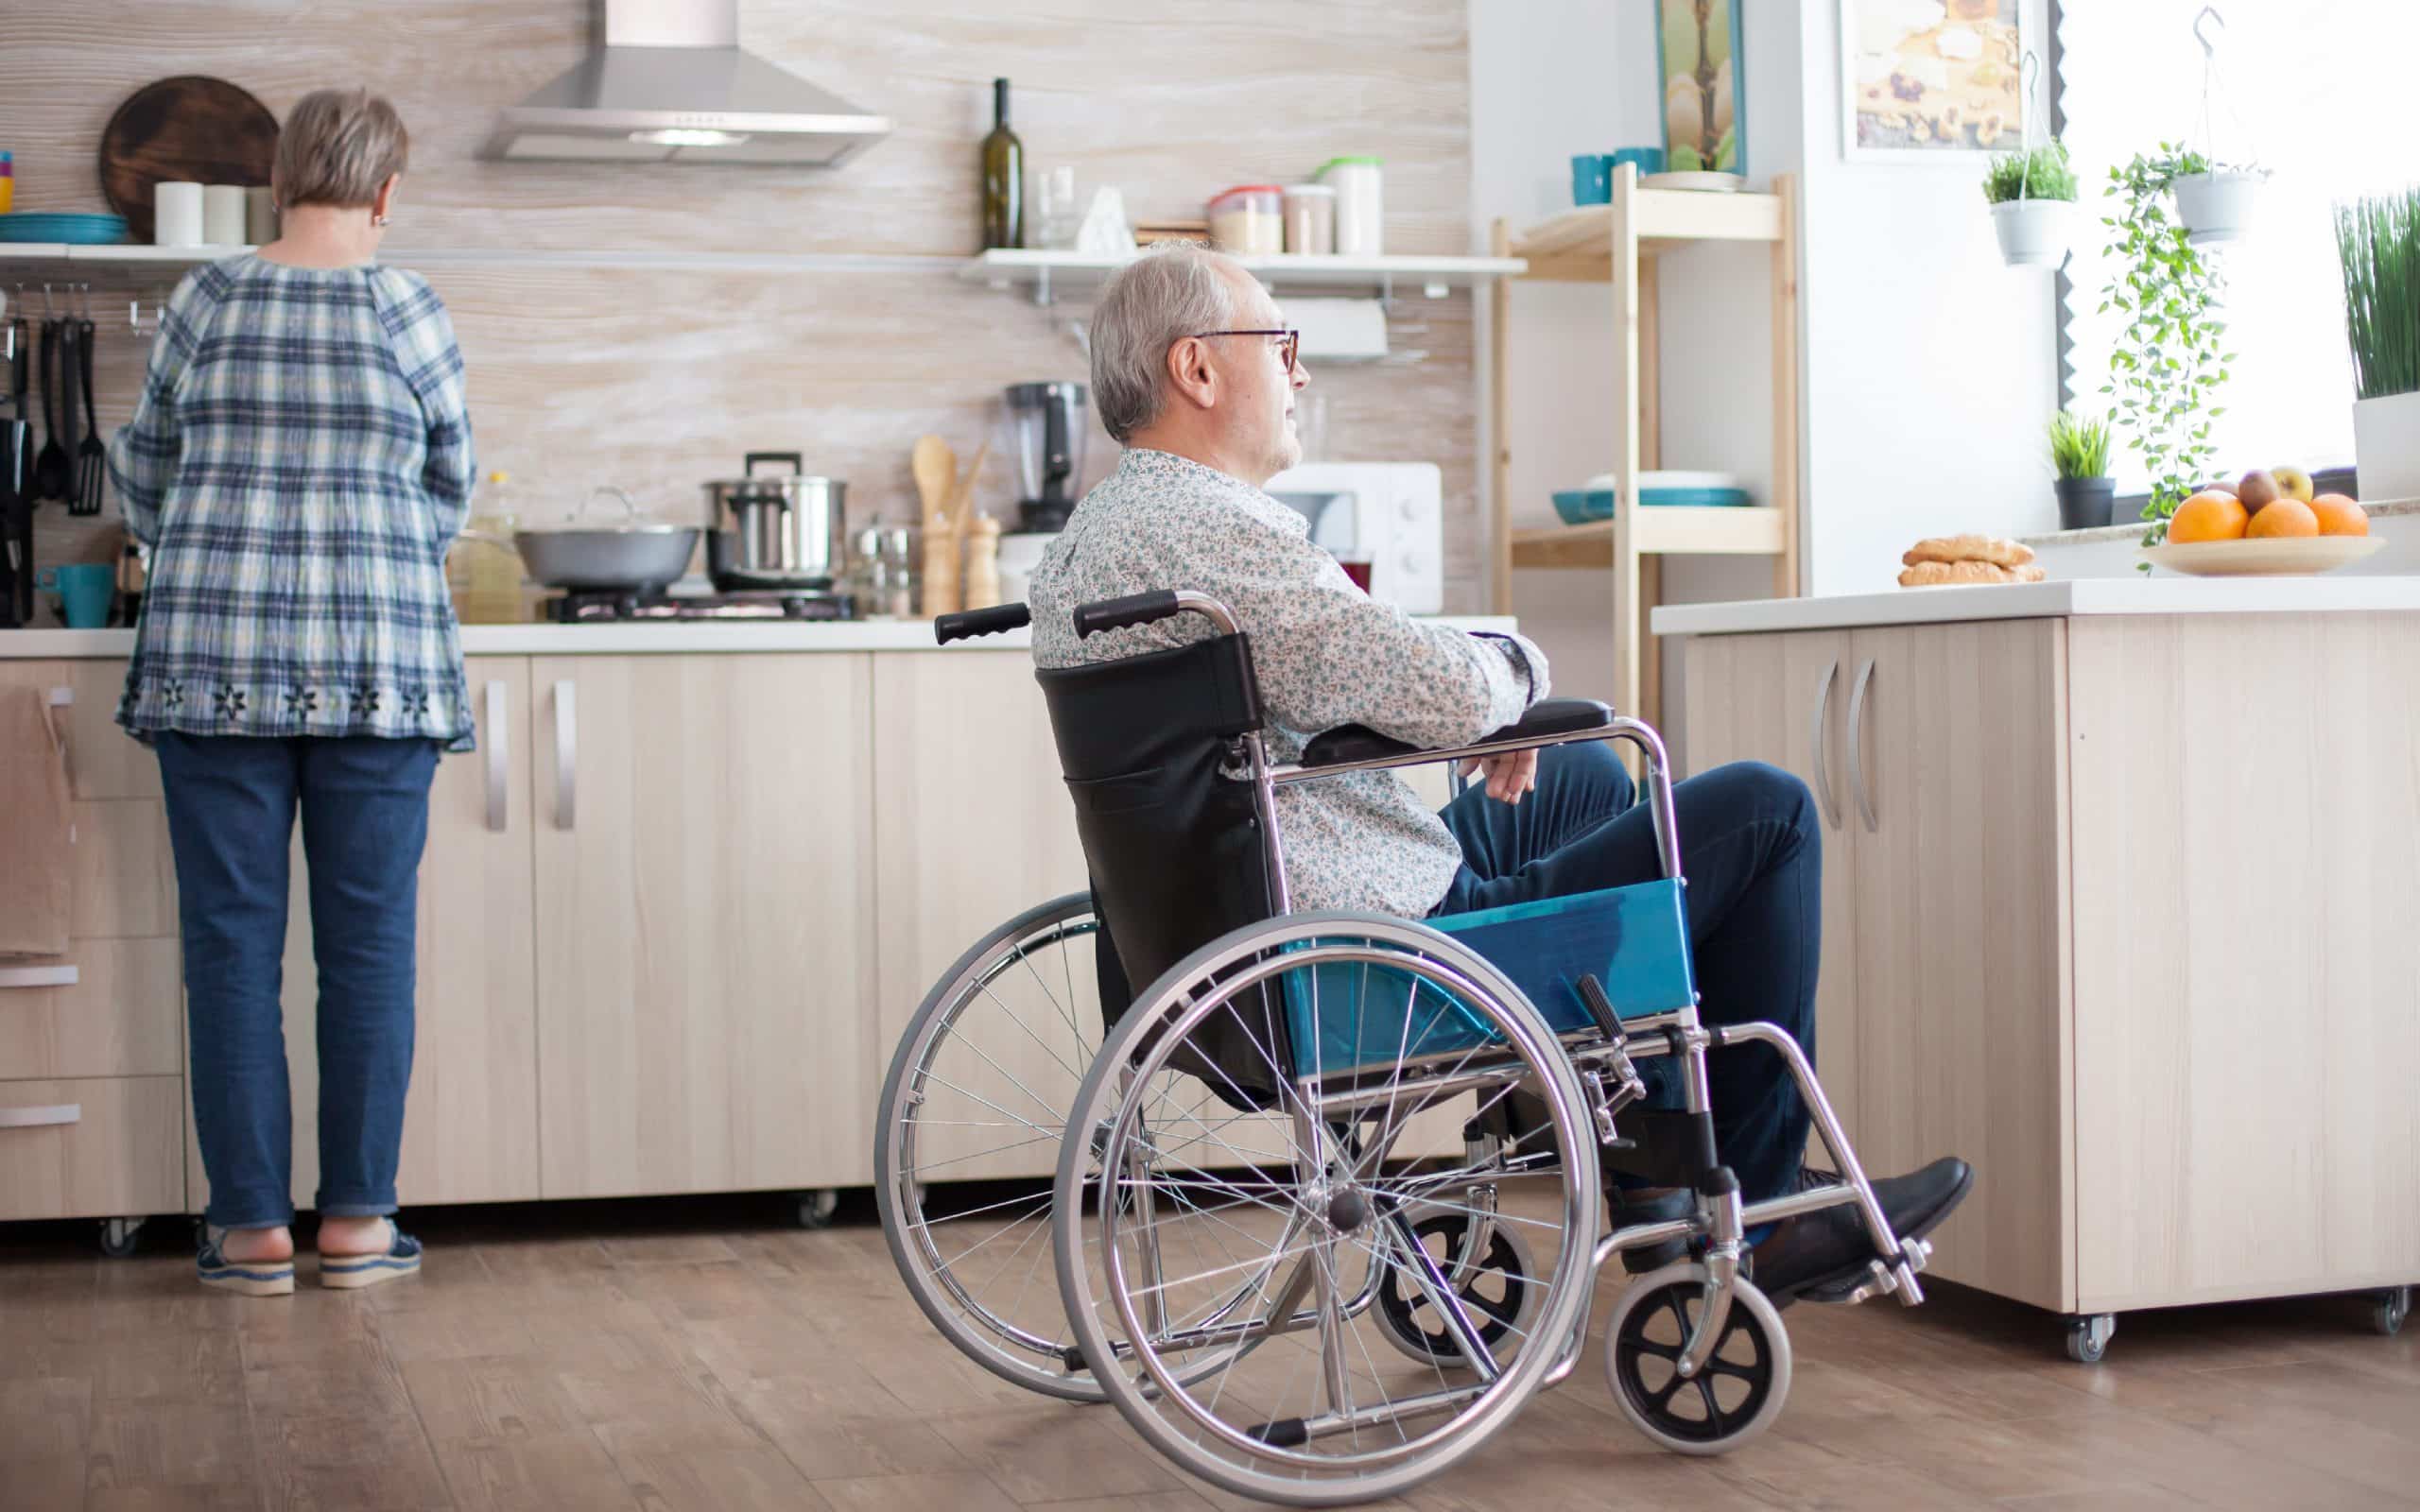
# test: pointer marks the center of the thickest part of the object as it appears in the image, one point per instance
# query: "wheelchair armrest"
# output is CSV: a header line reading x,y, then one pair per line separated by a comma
x,y
1545,719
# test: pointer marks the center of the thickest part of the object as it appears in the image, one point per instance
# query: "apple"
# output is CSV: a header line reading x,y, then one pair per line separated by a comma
x,y
2259,489
2295,481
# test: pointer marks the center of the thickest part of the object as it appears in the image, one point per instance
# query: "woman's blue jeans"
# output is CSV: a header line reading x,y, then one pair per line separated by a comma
x,y
231,806
1753,859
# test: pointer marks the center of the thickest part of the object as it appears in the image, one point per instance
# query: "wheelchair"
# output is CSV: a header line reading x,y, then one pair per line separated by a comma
x,y
1328,1193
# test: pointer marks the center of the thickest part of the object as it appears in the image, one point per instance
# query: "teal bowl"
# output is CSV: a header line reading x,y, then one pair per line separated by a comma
x,y
1581,507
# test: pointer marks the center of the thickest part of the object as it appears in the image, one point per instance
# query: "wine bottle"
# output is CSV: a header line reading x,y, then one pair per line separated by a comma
x,y
1003,177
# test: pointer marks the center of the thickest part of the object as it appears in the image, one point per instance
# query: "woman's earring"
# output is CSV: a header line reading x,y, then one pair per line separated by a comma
x,y
377,221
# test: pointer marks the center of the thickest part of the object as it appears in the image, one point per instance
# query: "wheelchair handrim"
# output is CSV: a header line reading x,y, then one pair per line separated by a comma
x,y
1448,967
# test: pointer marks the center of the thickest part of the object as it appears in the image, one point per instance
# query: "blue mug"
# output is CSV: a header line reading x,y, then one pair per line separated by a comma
x,y
84,594
1592,181
1650,159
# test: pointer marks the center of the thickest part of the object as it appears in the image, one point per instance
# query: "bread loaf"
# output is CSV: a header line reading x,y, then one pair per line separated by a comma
x,y
1991,549
1943,574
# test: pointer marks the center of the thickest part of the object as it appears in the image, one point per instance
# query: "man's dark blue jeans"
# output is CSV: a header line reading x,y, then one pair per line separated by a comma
x,y
231,804
1753,859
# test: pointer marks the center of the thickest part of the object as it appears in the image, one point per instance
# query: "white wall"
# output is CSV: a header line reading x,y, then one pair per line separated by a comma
x,y
1930,367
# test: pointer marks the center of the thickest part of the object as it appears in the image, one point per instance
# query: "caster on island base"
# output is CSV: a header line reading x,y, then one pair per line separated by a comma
x,y
815,1208
120,1236
2089,1336
2389,1310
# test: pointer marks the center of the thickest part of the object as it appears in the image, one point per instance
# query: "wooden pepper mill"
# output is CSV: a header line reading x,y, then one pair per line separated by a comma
x,y
982,562
940,564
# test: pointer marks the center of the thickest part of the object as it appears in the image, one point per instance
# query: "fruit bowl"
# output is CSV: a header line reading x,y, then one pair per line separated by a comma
x,y
2275,556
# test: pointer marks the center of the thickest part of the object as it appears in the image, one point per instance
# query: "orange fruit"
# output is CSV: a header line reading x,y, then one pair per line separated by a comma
x,y
2340,516
2284,517
2209,516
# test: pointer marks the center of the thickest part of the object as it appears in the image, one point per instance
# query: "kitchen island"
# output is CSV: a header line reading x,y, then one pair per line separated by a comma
x,y
2119,894
674,914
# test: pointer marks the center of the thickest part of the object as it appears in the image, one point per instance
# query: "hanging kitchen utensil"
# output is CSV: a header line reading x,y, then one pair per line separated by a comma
x,y
190,129
54,474
71,416
93,456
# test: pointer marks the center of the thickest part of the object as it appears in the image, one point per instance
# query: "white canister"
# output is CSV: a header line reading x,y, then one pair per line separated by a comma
x,y
176,214
1360,204
223,214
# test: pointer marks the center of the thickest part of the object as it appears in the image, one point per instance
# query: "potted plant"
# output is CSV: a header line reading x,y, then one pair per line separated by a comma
x,y
2213,200
2080,453
2032,195
2167,366
2379,243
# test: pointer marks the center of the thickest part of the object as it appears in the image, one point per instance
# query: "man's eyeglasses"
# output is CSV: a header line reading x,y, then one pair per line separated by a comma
x,y
1289,342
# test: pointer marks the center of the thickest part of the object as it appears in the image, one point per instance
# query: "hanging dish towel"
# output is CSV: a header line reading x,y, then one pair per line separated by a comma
x,y
36,828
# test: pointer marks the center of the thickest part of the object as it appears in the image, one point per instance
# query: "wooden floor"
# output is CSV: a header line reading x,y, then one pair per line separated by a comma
x,y
700,1355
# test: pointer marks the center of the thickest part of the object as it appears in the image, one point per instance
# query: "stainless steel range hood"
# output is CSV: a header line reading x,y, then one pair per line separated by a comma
x,y
671,85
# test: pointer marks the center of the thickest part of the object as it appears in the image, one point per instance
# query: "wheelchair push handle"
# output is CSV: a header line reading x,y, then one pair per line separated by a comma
x,y
974,622
1118,613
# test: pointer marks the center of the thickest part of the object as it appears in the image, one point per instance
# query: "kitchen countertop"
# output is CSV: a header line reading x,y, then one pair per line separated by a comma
x,y
684,638
2018,601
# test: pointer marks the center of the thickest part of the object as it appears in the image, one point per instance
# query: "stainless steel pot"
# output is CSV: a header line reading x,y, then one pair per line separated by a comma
x,y
631,556
776,532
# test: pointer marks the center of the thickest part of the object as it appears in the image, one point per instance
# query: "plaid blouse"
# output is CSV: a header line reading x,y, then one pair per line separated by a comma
x,y
298,462
1324,653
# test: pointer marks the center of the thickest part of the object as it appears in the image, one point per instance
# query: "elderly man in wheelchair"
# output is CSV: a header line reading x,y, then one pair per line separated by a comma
x,y
1342,1092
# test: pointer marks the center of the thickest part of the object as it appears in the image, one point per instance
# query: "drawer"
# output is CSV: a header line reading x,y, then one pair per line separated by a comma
x,y
95,1148
125,878
120,1016
103,762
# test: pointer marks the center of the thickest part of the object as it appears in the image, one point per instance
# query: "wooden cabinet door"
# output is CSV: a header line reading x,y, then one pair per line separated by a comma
x,y
704,930
470,1119
1956,792
1780,698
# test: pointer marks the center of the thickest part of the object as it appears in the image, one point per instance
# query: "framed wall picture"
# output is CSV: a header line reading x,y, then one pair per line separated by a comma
x,y
1931,79
1706,87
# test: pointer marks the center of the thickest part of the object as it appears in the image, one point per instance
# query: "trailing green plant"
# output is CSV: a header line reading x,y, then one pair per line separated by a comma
x,y
2379,243
2167,366
2079,445
2040,174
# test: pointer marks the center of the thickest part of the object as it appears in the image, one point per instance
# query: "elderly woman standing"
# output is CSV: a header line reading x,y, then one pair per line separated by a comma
x,y
298,462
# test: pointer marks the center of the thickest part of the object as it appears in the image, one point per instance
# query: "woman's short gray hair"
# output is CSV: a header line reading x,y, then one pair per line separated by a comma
x,y
336,147
1170,292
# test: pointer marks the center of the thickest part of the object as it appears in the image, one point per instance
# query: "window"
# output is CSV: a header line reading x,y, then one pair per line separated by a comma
x,y
2319,92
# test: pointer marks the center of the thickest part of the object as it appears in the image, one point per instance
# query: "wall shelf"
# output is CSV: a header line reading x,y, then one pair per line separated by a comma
x,y
127,255
1618,243
1052,273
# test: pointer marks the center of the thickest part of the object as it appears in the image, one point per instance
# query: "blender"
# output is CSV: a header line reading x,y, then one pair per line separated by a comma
x,y
1050,425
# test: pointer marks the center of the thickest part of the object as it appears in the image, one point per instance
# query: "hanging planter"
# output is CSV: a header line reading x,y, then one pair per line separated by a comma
x,y
2215,205
2032,195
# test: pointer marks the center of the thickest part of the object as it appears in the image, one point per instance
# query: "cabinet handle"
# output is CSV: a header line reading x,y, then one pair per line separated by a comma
x,y
42,1117
500,757
566,755
1823,779
1857,742
38,976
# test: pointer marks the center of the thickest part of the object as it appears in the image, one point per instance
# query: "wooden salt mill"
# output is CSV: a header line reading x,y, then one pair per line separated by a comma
x,y
936,470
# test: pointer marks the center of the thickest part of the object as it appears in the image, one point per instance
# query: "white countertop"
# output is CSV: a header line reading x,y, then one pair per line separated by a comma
x,y
2023,601
688,638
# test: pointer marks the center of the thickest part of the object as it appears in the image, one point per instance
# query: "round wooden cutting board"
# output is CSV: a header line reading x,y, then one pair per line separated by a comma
x,y
189,128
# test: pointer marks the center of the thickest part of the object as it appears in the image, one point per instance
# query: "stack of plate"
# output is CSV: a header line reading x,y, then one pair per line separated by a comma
x,y
1594,500
75,229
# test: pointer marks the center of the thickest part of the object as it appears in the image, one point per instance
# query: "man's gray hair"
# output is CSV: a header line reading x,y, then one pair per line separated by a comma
x,y
1170,292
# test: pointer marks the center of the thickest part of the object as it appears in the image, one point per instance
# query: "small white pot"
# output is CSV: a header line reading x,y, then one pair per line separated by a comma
x,y
2217,207
2386,446
2032,232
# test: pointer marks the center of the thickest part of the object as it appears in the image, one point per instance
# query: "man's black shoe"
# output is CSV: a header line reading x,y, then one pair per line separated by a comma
x,y
1828,1249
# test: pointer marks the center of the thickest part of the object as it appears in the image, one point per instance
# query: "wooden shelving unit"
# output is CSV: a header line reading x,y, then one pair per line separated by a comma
x,y
1618,244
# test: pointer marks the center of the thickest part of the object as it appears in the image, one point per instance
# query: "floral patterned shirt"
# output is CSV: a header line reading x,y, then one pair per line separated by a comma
x,y
1325,653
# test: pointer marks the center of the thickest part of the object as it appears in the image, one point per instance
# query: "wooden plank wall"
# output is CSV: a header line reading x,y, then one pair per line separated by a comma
x,y
656,381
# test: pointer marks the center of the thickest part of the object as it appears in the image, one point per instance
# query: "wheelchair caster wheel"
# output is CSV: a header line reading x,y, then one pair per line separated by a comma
x,y
1500,1288
2089,1336
120,1237
2389,1309
815,1208
1741,1391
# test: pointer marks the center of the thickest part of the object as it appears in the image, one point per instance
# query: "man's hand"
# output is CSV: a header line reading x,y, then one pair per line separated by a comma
x,y
1510,776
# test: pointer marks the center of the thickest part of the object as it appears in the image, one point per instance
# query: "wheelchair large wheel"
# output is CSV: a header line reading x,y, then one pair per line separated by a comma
x,y
1217,1226
979,1093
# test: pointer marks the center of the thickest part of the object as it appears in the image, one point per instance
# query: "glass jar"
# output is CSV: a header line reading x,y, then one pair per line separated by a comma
x,y
1311,219
483,568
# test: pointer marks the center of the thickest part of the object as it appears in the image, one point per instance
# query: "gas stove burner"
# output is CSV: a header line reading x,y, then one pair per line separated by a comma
x,y
587,608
